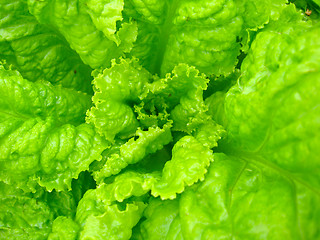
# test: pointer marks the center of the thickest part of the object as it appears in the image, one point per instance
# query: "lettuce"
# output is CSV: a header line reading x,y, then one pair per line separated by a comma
x,y
149,119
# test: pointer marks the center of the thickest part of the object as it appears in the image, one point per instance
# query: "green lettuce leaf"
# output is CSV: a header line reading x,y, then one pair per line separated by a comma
x,y
198,33
125,89
22,216
267,186
255,15
273,111
147,157
31,216
237,192
113,209
116,90
133,151
89,26
43,138
162,220
189,163
205,34
161,34
64,228
38,51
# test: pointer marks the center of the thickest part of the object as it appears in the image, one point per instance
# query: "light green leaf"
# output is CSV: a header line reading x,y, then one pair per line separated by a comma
x,y
89,26
117,224
273,111
181,95
205,34
162,220
101,212
38,51
116,89
105,14
255,15
126,88
40,99
41,139
23,217
126,185
135,150
189,163
237,192
64,228
191,32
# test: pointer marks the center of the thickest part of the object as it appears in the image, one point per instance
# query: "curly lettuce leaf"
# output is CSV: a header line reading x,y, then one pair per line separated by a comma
x,y
126,220
113,209
38,51
126,88
189,163
183,92
116,90
43,138
135,150
125,186
89,26
128,96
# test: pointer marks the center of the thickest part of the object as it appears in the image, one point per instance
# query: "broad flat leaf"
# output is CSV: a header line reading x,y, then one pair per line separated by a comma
x,y
273,111
237,192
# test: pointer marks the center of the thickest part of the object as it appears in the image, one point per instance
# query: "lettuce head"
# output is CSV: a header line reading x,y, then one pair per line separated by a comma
x,y
159,119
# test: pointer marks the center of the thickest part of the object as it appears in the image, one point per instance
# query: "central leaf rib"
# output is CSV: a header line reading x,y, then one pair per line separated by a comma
x,y
165,31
